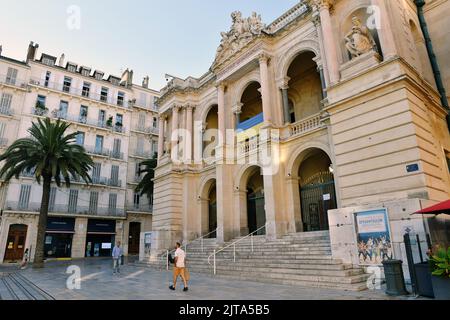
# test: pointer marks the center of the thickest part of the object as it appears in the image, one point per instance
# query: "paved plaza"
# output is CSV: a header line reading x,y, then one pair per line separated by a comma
x,y
140,283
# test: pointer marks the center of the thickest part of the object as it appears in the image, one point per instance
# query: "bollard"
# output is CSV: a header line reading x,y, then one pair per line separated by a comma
x,y
395,281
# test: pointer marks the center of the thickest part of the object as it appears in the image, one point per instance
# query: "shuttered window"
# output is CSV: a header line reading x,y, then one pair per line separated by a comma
x,y
2,129
93,202
24,197
114,175
73,201
51,202
5,104
11,76
96,170
112,204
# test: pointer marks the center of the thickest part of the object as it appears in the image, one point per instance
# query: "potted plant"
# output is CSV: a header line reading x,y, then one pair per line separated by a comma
x,y
109,122
40,108
440,266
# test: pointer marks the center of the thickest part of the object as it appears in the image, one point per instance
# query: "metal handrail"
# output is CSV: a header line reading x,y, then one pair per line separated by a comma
x,y
234,247
185,246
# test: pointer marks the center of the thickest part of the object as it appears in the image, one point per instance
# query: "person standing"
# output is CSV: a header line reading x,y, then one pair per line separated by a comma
x,y
116,255
179,268
25,260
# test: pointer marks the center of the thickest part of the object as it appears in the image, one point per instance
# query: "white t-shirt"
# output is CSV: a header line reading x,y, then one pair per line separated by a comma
x,y
180,255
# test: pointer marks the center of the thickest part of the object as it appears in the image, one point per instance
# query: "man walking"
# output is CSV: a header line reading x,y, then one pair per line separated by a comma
x,y
179,268
116,255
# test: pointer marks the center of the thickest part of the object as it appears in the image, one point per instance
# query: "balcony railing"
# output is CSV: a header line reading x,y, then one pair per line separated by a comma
x,y
140,207
99,151
304,126
13,82
115,183
143,154
248,145
79,92
77,119
6,110
66,209
149,130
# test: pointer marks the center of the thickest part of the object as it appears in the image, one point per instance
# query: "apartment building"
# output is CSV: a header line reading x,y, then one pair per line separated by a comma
x,y
115,120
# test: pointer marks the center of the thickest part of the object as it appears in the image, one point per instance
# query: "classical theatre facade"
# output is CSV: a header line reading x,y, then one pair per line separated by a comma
x,y
330,110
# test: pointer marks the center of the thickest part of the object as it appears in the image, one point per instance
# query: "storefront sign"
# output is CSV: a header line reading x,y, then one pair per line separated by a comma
x,y
57,224
373,237
101,226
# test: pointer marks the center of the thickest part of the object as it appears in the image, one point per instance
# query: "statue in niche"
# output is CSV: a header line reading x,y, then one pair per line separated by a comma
x,y
359,40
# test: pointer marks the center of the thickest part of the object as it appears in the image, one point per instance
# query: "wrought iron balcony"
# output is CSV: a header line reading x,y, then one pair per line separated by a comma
x,y
87,94
19,83
140,207
6,110
66,209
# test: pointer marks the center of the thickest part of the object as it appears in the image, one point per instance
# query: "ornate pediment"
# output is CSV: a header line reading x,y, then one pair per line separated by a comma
x,y
242,32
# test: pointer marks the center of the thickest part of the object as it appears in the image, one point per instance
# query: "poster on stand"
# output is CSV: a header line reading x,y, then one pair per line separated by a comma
x,y
373,237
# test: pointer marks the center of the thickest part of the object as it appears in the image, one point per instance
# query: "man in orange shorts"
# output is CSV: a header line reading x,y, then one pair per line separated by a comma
x,y
179,268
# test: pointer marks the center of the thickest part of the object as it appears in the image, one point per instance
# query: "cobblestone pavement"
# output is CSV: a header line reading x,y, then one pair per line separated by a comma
x,y
138,283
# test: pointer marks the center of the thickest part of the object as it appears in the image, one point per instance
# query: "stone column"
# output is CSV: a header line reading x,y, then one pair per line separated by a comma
x,y
79,238
324,69
265,91
328,39
322,82
188,142
285,95
174,134
161,137
385,34
221,113
237,110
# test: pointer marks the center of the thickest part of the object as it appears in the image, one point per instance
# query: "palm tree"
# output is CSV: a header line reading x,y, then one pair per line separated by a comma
x,y
146,184
53,155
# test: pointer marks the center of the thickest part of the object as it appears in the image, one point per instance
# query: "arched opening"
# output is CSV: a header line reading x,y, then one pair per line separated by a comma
x,y
256,215
210,133
305,87
15,244
251,113
212,212
317,189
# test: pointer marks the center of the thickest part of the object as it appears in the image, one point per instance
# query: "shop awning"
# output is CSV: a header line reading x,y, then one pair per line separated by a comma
x,y
440,208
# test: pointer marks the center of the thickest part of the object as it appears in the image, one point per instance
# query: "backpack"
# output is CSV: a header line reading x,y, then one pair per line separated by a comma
x,y
171,259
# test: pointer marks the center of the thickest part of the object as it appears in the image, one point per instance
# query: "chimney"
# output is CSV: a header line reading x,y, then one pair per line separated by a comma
x,y
32,49
61,60
145,82
127,78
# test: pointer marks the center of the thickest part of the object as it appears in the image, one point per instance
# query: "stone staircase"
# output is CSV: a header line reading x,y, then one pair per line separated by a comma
x,y
302,259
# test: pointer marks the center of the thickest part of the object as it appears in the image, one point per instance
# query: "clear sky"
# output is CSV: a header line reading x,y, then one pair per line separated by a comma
x,y
151,37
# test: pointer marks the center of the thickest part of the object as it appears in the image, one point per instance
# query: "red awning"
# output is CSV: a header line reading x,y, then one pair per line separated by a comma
x,y
440,208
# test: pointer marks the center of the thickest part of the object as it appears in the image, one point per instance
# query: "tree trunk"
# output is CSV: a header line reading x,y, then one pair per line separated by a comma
x,y
42,224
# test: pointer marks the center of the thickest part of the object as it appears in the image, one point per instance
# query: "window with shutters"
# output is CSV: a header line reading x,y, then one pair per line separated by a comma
x,y
96,171
93,202
86,89
51,202
140,147
114,176
116,149
24,197
11,76
141,122
5,104
143,99
112,204
73,201
2,129
104,94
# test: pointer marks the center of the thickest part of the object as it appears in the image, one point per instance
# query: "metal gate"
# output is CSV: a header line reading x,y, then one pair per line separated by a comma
x,y
317,196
